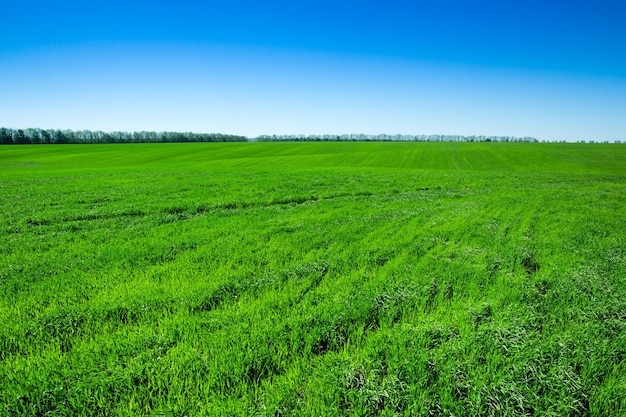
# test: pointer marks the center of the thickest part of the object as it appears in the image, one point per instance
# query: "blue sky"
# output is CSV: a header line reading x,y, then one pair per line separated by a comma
x,y
553,70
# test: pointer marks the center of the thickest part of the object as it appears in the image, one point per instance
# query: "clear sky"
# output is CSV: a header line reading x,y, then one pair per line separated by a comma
x,y
554,70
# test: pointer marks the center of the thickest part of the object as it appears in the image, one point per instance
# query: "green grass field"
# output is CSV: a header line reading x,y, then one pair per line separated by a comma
x,y
313,279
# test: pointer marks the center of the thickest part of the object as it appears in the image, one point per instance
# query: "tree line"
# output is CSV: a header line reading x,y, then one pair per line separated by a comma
x,y
393,138
10,136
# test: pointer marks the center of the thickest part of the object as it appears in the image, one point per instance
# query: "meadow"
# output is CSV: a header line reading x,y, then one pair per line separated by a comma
x,y
313,279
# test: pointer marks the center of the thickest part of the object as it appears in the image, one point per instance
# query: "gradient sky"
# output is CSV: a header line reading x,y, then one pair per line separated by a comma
x,y
554,70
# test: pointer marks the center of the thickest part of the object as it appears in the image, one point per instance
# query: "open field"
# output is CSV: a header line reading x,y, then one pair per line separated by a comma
x,y
313,279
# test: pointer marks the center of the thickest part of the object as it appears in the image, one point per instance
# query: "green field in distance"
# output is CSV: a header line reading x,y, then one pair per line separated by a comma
x,y
313,279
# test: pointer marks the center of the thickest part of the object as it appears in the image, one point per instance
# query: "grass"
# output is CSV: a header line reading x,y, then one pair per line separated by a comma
x,y
351,279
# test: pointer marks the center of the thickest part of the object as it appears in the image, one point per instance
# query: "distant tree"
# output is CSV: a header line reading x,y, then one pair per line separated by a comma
x,y
33,135
70,136
59,137
46,137
6,136
19,137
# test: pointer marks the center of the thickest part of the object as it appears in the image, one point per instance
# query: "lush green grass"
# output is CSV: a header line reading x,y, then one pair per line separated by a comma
x,y
313,279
